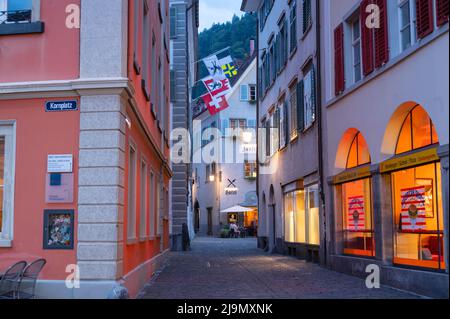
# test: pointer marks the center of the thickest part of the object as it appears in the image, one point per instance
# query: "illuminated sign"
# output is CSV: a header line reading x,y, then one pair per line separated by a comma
x,y
410,160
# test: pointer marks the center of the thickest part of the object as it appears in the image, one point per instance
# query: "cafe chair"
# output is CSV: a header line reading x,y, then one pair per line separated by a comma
x,y
10,280
27,283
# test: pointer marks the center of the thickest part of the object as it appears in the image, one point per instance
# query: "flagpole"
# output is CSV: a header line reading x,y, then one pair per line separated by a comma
x,y
215,53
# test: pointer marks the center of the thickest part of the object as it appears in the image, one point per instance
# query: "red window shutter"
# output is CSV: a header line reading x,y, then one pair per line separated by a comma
x,y
381,36
424,10
339,75
442,11
366,39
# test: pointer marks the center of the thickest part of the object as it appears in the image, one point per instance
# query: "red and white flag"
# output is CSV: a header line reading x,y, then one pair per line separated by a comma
x,y
215,98
413,215
215,104
356,214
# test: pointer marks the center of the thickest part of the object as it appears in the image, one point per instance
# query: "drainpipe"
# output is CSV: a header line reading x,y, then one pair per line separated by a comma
x,y
257,113
320,133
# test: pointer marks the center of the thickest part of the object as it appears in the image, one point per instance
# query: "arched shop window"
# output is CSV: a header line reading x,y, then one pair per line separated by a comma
x,y
417,131
359,152
417,198
357,204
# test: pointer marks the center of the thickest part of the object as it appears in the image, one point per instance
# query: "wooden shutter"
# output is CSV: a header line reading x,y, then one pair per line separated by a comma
x,y
424,12
300,106
442,11
286,123
339,75
381,36
366,39
313,92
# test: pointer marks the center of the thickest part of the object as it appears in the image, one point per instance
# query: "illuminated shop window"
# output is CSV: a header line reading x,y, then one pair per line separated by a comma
x,y
358,218
359,152
417,199
418,219
417,131
301,216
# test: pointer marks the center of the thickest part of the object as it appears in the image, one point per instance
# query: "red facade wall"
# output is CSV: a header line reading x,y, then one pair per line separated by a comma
x,y
38,134
52,55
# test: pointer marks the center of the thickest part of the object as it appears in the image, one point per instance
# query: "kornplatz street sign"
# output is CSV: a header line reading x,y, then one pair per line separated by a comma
x,y
61,106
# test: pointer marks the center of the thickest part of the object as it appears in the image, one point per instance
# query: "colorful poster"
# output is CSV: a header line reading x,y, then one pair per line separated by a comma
x,y
413,215
356,214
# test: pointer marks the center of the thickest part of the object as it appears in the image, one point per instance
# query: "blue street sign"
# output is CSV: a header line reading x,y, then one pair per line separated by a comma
x,y
58,106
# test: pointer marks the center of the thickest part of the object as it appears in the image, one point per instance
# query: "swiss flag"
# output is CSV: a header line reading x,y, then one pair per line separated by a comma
x,y
215,104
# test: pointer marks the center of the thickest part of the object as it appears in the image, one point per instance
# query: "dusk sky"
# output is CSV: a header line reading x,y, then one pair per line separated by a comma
x,y
214,11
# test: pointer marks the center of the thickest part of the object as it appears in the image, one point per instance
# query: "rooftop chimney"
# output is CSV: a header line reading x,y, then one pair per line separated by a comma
x,y
252,47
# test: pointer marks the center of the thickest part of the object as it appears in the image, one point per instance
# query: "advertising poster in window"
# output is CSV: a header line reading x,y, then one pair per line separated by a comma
x,y
413,215
356,220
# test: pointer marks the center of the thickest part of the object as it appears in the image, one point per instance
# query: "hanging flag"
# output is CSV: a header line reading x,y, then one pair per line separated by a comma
x,y
413,215
356,220
228,67
214,67
215,104
217,88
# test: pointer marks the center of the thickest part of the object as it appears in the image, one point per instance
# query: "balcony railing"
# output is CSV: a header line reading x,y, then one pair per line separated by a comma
x,y
17,16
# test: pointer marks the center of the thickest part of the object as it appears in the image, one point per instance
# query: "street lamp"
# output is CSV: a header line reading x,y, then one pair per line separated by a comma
x,y
212,178
247,136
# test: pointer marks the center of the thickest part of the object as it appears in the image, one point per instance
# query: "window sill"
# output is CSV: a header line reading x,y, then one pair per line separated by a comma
x,y
152,109
132,241
305,34
143,239
145,90
5,243
22,28
292,53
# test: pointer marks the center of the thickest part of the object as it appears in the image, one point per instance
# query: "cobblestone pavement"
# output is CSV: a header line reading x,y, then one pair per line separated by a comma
x,y
236,269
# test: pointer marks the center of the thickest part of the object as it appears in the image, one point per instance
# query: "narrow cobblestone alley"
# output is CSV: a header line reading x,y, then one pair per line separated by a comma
x,y
236,269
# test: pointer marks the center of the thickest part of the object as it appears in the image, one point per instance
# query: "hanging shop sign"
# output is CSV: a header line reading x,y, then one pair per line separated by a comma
x,y
248,149
231,189
60,106
352,175
410,160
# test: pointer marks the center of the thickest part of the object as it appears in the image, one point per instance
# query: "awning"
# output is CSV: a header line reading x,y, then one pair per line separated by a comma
x,y
238,209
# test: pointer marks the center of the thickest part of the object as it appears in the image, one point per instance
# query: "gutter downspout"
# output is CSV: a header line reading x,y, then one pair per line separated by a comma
x,y
320,133
258,75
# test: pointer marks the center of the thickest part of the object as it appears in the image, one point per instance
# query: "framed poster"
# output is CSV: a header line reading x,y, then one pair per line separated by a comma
x,y
427,184
59,229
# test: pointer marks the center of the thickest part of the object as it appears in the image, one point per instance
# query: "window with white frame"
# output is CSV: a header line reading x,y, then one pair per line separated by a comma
x,y
151,205
7,165
283,123
356,50
143,203
407,24
293,110
131,218
309,99
17,11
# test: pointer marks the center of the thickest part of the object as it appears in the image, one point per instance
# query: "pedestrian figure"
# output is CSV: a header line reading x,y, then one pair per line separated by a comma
x,y
186,238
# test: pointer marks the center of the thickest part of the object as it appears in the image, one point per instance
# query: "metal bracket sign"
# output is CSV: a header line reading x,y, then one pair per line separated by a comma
x,y
60,106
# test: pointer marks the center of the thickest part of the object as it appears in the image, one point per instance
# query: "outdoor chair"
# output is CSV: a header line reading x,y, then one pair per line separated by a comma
x,y
10,280
27,283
